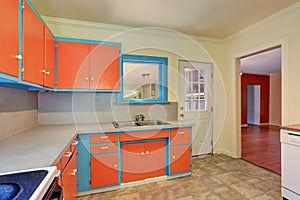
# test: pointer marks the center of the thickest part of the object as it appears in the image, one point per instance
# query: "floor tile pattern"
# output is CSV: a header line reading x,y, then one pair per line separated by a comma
x,y
214,177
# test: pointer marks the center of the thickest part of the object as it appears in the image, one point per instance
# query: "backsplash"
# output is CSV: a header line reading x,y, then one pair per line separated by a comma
x,y
66,108
18,111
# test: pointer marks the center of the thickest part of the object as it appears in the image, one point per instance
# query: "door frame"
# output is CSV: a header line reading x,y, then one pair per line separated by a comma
x,y
285,94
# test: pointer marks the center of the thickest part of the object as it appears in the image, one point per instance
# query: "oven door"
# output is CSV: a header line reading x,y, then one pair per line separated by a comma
x,y
290,171
54,192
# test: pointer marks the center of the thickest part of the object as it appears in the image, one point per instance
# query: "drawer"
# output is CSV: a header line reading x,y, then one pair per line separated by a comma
x,y
145,135
180,136
100,138
104,148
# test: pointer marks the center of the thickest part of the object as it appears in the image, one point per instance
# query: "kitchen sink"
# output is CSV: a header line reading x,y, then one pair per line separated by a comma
x,y
140,123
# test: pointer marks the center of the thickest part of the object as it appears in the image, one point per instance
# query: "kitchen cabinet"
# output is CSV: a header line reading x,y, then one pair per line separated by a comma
x,y
143,160
9,41
68,167
38,50
88,66
180,150
104,170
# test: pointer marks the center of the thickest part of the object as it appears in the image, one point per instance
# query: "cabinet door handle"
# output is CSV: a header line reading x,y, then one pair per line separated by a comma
x,y
181,132
103,148
104,137
147,152
115,165
92,78
68,154
142,153
74,172
86,78
75,143
19,57
47,72
173,157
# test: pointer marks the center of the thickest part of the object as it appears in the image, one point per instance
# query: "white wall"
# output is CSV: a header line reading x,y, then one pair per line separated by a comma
x,y
275,99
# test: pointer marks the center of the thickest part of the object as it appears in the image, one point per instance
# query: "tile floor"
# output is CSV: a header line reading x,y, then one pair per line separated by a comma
x,y
213,178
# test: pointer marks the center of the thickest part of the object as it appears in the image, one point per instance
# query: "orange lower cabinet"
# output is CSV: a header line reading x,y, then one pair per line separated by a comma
x,y
104,170
133,162
180,159
154,159
69,179
143,160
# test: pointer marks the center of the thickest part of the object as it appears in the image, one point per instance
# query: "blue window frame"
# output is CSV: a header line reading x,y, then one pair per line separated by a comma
x,y
161,84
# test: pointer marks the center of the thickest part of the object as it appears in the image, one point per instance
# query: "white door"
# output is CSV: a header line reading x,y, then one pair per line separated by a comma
x,y
195,93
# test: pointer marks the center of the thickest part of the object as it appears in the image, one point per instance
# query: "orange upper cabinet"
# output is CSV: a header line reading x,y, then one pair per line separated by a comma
x,y
49,59
82,65
33,46
38,50
104,67
73,65
9,37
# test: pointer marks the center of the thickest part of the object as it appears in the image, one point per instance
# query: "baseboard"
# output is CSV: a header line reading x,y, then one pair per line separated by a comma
x,y
244,125
278,125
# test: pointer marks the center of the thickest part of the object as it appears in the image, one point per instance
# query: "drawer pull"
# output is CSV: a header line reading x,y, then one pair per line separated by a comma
x,y
75,143
173,157
115,165
68,154
74,172
181,132
104,137
103,148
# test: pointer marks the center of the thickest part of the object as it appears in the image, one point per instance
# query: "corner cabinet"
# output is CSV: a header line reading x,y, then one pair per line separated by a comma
x,y
108,160
88,65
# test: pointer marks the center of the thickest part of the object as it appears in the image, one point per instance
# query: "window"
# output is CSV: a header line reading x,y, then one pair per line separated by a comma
x,y
144,79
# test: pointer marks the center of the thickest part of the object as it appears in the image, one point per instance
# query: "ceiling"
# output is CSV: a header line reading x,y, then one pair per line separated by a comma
x,y
267,62
210,18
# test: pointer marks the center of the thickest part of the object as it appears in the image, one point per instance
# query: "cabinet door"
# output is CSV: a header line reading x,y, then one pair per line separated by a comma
x,y
154,159
143,160
104,67
33,46
49,59
180,159
9,37
133,158
69,179
104,170
73,65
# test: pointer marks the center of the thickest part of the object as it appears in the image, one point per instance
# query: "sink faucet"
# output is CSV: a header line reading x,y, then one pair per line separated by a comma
x,y
139,118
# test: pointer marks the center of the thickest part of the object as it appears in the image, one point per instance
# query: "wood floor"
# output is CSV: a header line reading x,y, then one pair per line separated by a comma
x,y
261,146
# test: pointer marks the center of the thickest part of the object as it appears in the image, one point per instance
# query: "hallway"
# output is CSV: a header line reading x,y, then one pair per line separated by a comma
x,y
261,146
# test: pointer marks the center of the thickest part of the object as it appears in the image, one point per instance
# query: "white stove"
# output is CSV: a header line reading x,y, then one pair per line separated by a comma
x,y
31,184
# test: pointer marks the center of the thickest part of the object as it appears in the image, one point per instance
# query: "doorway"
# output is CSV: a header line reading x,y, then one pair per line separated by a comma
x,y
261,108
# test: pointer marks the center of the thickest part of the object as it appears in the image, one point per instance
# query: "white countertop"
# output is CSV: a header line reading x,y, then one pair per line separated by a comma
x,y
43,145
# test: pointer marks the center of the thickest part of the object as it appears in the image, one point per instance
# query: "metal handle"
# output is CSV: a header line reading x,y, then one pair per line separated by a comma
x,y
173,157
74,172
142,153
47,72
104,137
75,143
68,154
115,165
106,147
19,57
86,78
147,152
181,132
92,78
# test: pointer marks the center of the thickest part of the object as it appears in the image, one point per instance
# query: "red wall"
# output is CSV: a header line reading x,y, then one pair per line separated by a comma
x,y
264,82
